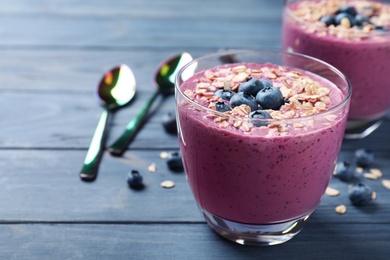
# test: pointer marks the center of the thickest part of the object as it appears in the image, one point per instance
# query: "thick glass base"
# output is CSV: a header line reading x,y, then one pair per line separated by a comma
x,y
358,129
255,235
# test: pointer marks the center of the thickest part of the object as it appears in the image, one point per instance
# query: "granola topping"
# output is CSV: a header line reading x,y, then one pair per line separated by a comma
x,y
311,12
303,97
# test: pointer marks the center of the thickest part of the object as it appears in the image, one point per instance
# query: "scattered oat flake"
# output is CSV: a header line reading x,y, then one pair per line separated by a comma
x,y
167,184
386,183
376,172
359,169
152,167
332,192
373,195
341,209
370,176
163,155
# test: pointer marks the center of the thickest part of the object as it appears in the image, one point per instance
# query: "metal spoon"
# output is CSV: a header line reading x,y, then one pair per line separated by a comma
x,y
115,90
164,80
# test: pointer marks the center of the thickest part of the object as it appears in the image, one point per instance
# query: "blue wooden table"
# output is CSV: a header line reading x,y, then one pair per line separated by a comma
x,y
53,54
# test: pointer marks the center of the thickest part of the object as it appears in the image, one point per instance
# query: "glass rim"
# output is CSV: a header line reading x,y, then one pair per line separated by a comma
x,y
370,34
346,98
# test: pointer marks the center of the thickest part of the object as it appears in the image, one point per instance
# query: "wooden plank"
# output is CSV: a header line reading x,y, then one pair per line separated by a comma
x,y
141,24
316,241
43,185
147,8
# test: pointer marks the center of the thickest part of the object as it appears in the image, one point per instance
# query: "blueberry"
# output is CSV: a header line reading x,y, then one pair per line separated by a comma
x,y
266,83
134,180
361,19
244,98
347,9
360,194
328,19
251,86
343,16
259,114
175,162
222,106
381,28
169,123
344,171
270,98
364,157
224,94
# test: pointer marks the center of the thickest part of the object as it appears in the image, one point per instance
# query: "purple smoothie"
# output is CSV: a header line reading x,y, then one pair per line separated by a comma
x,y
258,176
364,60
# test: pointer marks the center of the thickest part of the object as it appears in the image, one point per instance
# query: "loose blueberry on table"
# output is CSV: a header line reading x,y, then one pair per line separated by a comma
x,y
364,157
135,180
360,194
344,171
175,162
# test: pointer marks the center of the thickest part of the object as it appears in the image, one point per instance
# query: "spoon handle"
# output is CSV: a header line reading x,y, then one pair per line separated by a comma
x,y
91,163
121,144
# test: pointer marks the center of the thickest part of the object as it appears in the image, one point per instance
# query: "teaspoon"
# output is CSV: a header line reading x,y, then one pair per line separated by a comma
x,y
164,81
115,90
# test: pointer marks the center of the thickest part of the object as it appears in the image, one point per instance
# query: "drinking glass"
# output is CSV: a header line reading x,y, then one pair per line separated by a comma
x,y
363,55
255,187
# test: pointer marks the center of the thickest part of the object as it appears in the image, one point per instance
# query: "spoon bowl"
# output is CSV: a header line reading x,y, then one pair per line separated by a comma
x,y
115,90
164,81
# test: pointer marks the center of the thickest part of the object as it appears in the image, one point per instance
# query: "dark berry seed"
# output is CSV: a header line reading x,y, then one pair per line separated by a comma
x,y
252,86
344,16
270,98
327,20
347,9
169,123
364,157
224,94
222,106
259,114
360,194
244,98
361,20
344,171
134,180
175,162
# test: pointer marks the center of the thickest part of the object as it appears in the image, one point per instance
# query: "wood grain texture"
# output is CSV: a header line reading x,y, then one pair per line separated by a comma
x,y
183,241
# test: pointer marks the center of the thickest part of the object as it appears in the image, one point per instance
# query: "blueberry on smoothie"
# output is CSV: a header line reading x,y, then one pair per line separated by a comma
x,y
380,28
259,114
348,9
134,180
364,157
222,106
361,20
251,86
225,94
328,20
270,98
266,83
344,171
174,162
244,98
360,194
